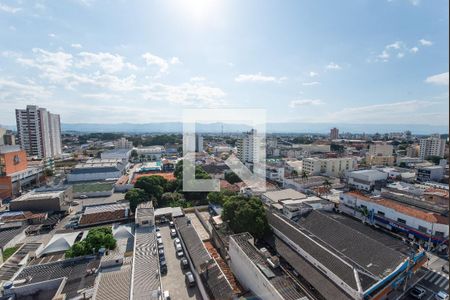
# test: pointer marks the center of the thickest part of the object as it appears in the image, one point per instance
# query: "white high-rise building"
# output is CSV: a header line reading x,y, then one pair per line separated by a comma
x,y
39,132
433,146
328,166
123,143
248,148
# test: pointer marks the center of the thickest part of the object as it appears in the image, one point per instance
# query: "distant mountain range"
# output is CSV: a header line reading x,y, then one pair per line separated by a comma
x,y
293,127
321,128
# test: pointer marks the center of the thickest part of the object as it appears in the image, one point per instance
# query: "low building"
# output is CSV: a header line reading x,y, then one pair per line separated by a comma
x,y
260,272
414,222
145,214
104,214
328,166
97,170
93,189
122,154
380,160
303,184
150,153
281,195
61,242
44,200
431,173
340,259
366,180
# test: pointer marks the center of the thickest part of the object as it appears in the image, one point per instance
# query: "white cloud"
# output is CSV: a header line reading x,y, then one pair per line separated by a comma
x,y
333,66
9,9
10,89
76,46
305,102
438,79
313,74
424,42
52,35
258,78
153,60
400,55
311,83
414,49
396,45
175,61
384,55
110,63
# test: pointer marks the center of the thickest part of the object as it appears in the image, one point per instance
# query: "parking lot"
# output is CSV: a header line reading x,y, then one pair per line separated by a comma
x,y
174,280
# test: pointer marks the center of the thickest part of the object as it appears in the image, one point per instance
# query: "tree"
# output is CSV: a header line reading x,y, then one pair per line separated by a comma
x,y
136,196
232,178
97,238
48,172
245,214
434,159
134,154
304,175
219,197
153,185
294,173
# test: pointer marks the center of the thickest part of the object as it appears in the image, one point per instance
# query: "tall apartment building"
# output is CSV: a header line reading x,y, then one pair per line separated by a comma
x,y
39,132
433,146
334,133
248,148
328,166
198,143
123,143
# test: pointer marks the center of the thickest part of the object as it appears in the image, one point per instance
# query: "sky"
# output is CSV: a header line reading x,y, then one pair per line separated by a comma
x,y
350,61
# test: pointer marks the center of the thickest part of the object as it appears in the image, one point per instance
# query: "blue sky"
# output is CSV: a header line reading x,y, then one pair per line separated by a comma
x,y
349,61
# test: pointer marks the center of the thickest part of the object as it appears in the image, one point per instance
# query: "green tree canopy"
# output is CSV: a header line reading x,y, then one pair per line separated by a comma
x,y
231,177
97,238
153,185
245,214
136,196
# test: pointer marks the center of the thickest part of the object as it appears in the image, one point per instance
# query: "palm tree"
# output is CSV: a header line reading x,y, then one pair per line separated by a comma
x,y
327,185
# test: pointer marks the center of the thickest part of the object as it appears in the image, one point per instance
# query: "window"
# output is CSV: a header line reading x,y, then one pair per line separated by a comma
x,y
401,221
439,233
381,213
423,229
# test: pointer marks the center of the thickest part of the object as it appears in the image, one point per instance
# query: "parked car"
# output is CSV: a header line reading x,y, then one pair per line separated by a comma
x,y
180,254
176,241
160,246
173,233
184,263
75,203
158,235
157,229
441,296
83,197
178,247
159,241
190,280
166,295
445,268
161,253
417,292
163,266
171,224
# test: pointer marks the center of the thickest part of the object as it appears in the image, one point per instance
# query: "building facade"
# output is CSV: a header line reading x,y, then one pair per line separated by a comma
x,y
248,148
432,146
334,133
328,166
39,132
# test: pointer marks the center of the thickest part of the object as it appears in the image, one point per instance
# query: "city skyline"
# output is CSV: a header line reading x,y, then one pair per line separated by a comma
x,y
312,62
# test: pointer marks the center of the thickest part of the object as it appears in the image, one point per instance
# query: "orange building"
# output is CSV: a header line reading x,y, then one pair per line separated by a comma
x,y
13,161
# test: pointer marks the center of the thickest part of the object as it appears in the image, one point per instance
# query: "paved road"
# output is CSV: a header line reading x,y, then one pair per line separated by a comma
x,y
174,280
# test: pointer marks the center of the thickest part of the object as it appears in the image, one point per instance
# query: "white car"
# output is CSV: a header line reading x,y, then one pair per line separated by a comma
x,y
83,197
158,235
176,241
173,233
159,241
178,247
180,253
441,296
166,295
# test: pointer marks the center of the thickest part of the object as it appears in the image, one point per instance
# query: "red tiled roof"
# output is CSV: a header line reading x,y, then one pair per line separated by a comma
x,y
401,208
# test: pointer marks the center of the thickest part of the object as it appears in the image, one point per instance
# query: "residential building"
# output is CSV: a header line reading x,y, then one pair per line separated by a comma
x,y
334,133
413,150
15,171
416,223
367,180
123,143
198,143
379,160
433,146
2,134
248,148
39,132
381,149
328,166
431,173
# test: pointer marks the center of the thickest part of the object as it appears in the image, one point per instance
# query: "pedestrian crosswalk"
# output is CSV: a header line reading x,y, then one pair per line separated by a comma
x,y
437,279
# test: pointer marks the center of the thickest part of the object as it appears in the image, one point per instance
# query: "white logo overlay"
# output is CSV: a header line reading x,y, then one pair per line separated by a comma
x,y
250,166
